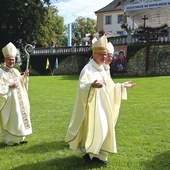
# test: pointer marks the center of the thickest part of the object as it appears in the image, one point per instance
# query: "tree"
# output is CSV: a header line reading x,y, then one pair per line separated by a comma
x,y
81,27
20,21
51,30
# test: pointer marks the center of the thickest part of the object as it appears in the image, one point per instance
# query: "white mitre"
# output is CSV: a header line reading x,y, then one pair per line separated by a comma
x,y
110,48
94,40
9,50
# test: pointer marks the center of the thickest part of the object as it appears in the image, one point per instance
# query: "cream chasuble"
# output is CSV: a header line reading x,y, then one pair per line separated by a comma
x,y
15,106
96,110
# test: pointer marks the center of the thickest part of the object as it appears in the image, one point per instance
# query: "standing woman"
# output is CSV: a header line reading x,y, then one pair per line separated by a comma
x,y
15,122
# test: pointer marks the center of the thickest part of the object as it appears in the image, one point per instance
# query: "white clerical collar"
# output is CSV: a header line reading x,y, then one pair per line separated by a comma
x,y
106,66
7,66
97,66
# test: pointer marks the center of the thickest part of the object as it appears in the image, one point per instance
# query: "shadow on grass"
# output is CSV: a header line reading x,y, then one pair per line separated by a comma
x,y
68,163
69,77
45,147
40,148
159,162
2,146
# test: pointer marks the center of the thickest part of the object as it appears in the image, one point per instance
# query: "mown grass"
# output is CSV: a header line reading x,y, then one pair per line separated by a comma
x,y
143,128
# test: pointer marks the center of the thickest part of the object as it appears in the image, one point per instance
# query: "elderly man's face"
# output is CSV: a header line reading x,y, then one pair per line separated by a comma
x,y
99,58
109,58
10,62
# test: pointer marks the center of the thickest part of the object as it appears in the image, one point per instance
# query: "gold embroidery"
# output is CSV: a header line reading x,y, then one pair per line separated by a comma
x,y
12,75
104,80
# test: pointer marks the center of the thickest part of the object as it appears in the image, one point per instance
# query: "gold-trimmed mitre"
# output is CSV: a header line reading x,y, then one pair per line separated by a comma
x,y
100,46
9,50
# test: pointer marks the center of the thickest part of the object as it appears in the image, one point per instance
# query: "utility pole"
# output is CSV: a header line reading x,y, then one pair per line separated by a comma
x,y
147,50
147,44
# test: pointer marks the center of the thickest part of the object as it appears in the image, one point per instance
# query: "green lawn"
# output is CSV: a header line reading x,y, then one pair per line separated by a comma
x,y
143,128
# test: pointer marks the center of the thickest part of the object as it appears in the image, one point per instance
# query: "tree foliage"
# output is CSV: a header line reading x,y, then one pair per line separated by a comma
x,y
81,27
28,21
51,30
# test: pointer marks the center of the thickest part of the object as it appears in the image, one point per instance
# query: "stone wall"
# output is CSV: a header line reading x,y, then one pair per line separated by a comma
x,y
71,65
159,62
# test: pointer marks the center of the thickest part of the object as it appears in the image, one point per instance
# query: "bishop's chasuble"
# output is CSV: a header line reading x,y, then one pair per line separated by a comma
x,y
15,121
96,110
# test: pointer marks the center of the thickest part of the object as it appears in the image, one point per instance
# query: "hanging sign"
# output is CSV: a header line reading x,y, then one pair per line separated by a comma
x,y
146,5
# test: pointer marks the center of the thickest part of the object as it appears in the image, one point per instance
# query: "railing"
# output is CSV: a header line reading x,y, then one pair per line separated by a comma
x,y
61,50
119,40
140,39
136,39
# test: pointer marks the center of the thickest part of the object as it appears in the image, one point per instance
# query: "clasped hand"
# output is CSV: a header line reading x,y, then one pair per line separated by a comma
x,y
13,84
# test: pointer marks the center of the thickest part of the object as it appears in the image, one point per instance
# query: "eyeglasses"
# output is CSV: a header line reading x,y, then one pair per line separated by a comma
x,y
102,54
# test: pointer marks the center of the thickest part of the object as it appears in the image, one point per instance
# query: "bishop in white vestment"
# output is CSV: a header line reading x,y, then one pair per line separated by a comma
x,y
15,123
91,130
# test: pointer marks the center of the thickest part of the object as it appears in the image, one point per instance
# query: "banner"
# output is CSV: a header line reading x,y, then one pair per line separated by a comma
x,y
146,5
47,64
56,64
118,64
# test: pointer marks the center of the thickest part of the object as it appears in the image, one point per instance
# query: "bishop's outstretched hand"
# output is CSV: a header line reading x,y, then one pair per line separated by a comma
x,y
128,84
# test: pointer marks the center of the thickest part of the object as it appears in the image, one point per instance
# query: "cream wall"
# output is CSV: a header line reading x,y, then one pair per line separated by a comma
x,y
114,26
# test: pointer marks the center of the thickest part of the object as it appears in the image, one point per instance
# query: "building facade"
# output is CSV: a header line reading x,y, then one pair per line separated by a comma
x,y
133,14
111,17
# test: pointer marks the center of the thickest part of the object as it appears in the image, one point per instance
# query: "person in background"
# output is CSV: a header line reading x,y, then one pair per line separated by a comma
x,y
109,58
15,122
91,131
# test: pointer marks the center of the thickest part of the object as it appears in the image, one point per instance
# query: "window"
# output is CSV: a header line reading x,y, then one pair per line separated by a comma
x,y
120,19
120,33
108,19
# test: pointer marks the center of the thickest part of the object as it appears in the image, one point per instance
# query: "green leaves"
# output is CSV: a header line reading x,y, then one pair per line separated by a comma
x,y
81,27
29,21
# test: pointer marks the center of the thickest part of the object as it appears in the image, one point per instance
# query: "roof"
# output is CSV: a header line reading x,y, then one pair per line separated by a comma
x,y
115,5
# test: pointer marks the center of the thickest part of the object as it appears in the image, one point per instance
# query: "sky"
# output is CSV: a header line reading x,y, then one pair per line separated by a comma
x,y
70,10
